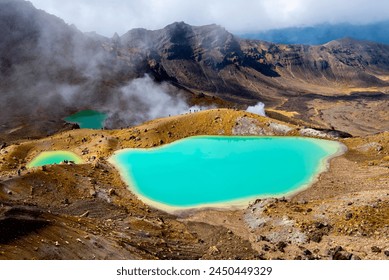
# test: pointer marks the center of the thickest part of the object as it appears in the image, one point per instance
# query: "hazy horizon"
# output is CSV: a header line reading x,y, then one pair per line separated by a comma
x,y
237,16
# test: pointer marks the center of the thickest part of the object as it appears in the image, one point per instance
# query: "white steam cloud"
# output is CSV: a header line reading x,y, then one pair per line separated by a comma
x,y
142,100
258,109
157,103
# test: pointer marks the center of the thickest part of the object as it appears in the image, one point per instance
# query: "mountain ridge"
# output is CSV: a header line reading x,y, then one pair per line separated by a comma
x,y
47,63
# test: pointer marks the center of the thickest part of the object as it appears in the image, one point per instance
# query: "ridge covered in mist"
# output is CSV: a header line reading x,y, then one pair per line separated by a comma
x,y
49,69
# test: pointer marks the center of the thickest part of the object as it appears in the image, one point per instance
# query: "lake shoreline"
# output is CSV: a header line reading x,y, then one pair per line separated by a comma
x,y
334,148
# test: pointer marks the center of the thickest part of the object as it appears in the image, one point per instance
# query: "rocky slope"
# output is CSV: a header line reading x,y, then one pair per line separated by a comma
x,y
86,212
48,64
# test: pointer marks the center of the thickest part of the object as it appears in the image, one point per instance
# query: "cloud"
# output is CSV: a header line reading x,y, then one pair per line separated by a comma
x,y
142,100
258,109
108,17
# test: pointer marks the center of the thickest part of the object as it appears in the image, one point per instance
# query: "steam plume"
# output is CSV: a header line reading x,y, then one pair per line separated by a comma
x,y
143,99
258,109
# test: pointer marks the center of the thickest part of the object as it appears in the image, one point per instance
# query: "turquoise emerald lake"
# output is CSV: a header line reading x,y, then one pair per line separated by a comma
x,y
208,170
88,119
54,157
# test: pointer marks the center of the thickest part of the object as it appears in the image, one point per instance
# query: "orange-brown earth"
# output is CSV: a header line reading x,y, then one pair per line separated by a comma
x,y
86,211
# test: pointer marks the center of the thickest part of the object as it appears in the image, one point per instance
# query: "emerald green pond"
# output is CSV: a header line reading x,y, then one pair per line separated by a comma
x,y
209,170
88,119
54,157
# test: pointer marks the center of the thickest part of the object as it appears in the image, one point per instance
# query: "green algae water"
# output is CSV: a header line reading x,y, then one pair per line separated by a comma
x,y
88,119
53,157
208,170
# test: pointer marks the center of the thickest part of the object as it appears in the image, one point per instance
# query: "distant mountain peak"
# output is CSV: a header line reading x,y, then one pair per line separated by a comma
x,y
177,24
115,37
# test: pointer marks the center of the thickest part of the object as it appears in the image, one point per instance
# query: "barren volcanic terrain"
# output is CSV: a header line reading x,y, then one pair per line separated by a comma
x,y
164,85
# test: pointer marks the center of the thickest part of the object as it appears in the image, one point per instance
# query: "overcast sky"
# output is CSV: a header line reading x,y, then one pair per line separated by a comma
x,y
238,16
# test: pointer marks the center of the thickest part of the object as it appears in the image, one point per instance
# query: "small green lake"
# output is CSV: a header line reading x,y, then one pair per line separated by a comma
x,y
54,157
88,119
212,170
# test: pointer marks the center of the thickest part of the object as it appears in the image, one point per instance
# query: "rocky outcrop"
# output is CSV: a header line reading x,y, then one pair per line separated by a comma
x,y
250,126
247,126
16,222
324,133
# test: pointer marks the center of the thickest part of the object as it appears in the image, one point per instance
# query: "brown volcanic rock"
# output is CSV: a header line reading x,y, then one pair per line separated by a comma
x,y
209,59
85,211
317,82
